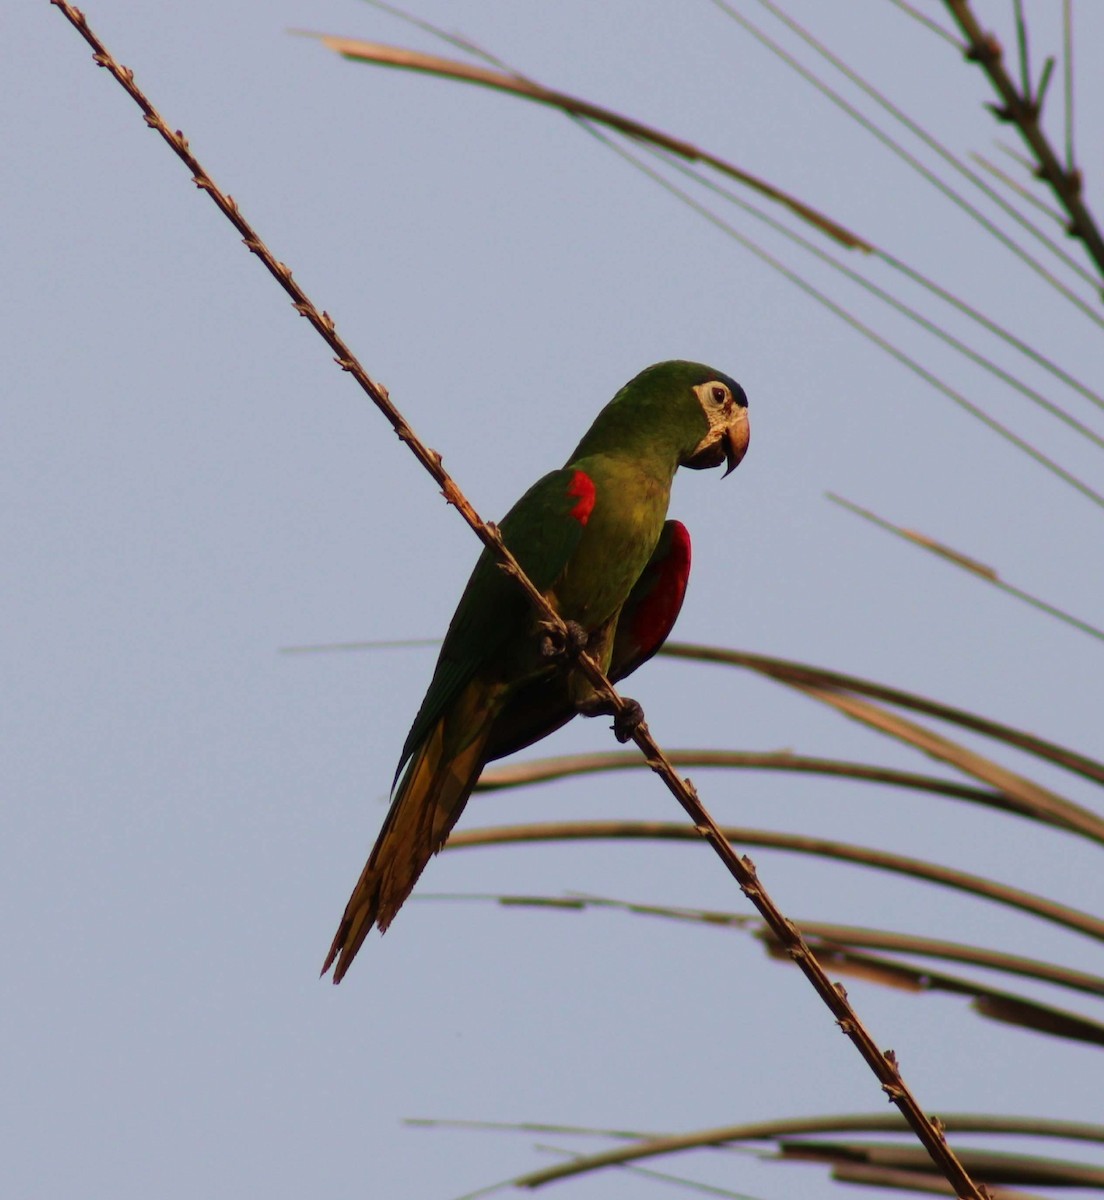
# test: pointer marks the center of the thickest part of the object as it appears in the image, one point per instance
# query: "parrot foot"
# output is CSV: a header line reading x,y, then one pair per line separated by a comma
x,y
626,720
556,644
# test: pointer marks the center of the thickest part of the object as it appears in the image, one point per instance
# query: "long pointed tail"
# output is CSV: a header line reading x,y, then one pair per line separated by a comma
x,y
430,798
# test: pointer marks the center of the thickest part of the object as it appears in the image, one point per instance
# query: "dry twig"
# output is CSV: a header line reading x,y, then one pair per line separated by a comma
x,y
832,937
431,64
1074,919
1023,109
966,563
565,766
808,678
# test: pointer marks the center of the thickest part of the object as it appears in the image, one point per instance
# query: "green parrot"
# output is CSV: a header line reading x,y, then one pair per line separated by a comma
x,y
593,539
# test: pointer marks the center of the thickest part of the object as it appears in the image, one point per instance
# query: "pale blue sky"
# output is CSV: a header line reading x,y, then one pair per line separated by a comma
x,y
188,484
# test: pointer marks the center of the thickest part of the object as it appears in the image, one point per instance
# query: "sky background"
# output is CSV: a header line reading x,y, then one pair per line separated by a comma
x,y
187,485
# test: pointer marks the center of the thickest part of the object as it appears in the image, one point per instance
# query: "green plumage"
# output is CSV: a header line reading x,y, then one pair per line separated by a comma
x,y
583,535
487,627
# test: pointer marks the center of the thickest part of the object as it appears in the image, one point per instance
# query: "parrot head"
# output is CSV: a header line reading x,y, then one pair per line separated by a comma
x,y
684,414
725,407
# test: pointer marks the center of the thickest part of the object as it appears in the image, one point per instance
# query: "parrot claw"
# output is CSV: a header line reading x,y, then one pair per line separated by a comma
x,y
556,644
626,720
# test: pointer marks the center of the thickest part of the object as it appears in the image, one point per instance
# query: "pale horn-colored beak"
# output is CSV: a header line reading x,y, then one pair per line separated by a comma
x,y
736,438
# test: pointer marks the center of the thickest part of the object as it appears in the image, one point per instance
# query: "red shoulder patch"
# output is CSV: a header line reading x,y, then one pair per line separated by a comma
x,y
581,489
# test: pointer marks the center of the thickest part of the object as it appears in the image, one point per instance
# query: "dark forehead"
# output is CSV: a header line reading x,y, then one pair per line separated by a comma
x,y
738,393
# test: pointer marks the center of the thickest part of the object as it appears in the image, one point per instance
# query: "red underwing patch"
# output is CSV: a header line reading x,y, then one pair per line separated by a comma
x,y
656,612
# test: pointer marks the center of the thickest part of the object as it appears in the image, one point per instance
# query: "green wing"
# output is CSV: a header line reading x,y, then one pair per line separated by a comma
x,y
493,618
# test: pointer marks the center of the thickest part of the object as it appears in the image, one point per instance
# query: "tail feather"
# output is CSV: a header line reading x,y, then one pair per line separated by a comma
x,y
430,798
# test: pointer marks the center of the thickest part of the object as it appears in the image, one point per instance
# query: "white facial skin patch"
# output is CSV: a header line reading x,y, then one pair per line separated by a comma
x,y
728,422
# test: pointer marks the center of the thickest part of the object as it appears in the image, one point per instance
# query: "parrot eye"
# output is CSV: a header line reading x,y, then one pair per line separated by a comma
x,y
719,393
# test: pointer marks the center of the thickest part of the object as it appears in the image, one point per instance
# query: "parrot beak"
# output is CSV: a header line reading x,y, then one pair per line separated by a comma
x,y
725,443
736,438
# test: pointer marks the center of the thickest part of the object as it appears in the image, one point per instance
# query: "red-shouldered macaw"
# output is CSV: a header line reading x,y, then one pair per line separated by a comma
x,y
592,537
